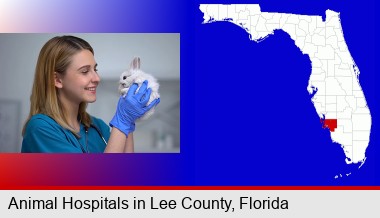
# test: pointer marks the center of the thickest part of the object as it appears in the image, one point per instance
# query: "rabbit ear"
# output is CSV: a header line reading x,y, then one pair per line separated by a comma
x,y
135,63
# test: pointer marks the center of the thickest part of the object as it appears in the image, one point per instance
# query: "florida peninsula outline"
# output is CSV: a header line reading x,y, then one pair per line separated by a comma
x,y
334,80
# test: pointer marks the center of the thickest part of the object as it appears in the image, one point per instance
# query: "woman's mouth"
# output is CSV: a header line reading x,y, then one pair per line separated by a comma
x,y
91,89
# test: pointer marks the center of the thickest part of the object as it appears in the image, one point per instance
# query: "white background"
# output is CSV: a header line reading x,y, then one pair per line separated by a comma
x,y
316,203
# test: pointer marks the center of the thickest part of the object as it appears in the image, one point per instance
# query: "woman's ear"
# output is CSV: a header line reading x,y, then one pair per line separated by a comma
x,y
57,80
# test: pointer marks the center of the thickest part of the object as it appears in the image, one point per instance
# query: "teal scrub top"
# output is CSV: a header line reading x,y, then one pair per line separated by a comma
x,y
44,135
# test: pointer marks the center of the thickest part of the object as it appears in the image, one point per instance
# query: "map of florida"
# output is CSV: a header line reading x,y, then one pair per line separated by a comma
x,y
338,97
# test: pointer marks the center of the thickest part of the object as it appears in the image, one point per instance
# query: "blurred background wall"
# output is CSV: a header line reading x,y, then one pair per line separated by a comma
x,y
160,56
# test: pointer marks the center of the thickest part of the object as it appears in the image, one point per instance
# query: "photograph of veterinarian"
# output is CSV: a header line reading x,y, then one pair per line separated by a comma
x,y
158,60
65,81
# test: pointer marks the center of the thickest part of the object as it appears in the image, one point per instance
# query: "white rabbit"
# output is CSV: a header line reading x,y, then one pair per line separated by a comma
x,y
135,75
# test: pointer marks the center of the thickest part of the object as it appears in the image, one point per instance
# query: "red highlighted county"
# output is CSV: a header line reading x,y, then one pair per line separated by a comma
x,y
332,124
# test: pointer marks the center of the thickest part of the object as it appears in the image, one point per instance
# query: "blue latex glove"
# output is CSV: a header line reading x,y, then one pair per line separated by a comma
x,y
131,107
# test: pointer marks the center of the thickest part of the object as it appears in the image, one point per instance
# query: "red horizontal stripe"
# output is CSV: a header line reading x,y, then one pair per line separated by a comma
x,y
190,188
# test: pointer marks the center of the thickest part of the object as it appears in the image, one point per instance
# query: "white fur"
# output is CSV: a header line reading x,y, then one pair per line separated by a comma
x,y
135,75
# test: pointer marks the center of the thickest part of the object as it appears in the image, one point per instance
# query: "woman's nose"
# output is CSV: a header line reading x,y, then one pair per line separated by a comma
x,y
95,77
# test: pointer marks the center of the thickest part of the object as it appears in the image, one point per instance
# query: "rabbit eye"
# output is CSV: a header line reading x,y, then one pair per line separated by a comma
x,y
124,77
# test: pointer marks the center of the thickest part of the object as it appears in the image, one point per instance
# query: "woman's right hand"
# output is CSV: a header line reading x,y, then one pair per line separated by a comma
x,y
131,107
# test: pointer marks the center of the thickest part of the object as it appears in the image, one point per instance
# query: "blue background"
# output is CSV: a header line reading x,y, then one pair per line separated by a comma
x,y
246,116
255,123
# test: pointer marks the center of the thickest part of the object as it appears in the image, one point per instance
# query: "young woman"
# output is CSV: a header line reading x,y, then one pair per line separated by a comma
x,y
65,82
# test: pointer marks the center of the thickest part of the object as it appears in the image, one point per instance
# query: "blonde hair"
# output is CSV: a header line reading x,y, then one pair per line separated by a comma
x,y
55,56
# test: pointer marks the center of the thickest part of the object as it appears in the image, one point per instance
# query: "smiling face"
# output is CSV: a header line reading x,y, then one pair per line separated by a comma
x,y
78,84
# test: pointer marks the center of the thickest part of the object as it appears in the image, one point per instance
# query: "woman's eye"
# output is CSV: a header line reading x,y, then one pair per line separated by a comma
x,y
96,69
84,72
